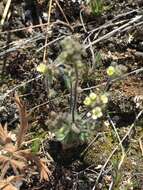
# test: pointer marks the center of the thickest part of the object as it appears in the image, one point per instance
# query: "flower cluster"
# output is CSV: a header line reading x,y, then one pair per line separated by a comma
x,y
116,70
97,103
72,52
111,71
42,68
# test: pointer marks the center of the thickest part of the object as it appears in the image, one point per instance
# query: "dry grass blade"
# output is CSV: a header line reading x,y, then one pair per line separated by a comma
x,y
17,165
12,160
3,158
12,156
4,135
40,163
7,183
8,187
23,121
44,171
5,167
21,154
10,148
5,12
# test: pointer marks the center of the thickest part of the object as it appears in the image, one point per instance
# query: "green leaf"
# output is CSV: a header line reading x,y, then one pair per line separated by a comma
x,y
36,146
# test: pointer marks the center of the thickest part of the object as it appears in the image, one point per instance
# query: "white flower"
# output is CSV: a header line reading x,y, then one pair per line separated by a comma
x,y
104,98
92,96
88,114
97,113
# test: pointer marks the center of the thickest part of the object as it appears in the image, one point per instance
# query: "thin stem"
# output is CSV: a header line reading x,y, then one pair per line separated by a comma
x,y
71,94
75,93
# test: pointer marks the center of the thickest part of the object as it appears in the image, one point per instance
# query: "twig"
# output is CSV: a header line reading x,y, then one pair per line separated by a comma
x,y
108,35
135,25
119,139
18,86
88,38
91,143
46,39
51,42
57,3
111,185
36,26
141,145
105,26
21,44
5,11
110,22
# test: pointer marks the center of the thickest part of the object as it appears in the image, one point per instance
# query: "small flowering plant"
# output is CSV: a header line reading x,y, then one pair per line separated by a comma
x,y
115,70
96,104
49,72
111,71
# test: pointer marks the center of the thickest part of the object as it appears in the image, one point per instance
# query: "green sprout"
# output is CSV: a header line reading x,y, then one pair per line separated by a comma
x,y
96,6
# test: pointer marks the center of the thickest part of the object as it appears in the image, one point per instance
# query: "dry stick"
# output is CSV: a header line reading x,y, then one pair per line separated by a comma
x,y
46,39
127,13
104,26
57,3
116,148
36,26
5,12
91,143
89,41
18,86
111,185
108,35
24,28
135,25
110,22
119,139
24,42
21,43
45,50
51,42
141,145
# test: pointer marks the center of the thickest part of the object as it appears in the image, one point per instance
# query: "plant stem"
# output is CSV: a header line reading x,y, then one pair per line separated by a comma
x,y
71,94
75,94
